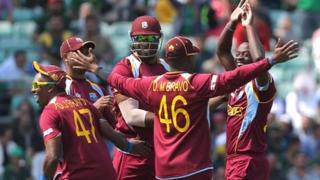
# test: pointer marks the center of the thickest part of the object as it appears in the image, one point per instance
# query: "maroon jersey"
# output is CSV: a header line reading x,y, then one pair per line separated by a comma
x,y
132,67
180,101
248,109
84,150
88,90
85,89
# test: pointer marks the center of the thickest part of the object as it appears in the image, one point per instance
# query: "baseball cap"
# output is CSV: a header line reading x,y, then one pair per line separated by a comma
x,y
145,25
52,72
73,44
180,46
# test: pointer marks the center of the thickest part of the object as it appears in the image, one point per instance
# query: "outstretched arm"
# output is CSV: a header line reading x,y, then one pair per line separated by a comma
x,y
229,81
225,40
133,87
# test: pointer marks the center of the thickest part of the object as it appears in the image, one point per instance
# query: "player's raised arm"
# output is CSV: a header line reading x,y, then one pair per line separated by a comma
x,y
225,41
255,47
229,81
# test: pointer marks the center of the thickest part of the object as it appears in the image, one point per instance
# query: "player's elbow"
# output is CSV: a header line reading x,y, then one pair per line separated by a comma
x,y
135,117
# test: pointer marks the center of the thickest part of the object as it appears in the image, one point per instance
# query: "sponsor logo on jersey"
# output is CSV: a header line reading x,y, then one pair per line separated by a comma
x,y
235,111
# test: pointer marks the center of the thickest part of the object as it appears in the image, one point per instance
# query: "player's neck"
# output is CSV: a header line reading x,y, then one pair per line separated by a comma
x,y
172,69
180,67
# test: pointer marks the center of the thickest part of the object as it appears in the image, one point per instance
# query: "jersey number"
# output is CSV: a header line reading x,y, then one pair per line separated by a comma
x,y
174,113
80,128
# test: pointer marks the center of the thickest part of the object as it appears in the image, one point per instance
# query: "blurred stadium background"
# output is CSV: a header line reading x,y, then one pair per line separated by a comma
x,y
34,29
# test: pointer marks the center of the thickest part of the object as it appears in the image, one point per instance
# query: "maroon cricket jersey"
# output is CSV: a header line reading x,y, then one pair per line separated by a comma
x,y
76,121
180,102
87,90
248,109
132,67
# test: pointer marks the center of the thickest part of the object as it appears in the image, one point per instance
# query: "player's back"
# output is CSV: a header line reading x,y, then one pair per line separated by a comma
x,y
84,151
182,136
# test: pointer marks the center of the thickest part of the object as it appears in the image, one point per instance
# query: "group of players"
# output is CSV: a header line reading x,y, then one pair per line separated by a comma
x,y
159,118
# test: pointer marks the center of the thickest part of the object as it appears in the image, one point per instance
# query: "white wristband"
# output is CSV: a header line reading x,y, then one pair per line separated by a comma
x,y
131,113
271,61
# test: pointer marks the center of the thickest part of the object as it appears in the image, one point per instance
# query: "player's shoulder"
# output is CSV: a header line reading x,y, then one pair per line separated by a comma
x,y
195,77
49,112
264,94
123,67
123,62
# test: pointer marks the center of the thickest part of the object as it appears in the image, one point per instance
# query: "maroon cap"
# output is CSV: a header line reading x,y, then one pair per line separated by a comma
x,y
179,47
73,44
145,25
51,71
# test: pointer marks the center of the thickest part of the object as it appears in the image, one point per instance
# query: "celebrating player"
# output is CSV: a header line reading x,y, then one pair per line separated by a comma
x,y
76,82
250,104
180,99
134,118
73,130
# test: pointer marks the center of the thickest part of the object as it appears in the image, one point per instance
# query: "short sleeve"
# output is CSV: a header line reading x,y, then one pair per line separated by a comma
x,y
266,93
49,124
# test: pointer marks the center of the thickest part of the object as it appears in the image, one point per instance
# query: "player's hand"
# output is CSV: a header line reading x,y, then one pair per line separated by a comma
x,y
104,102
84,62
284,52
247,17
237,12
141,147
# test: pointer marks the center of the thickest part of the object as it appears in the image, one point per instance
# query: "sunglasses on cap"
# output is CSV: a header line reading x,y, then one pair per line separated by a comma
x,y
146,38
37,84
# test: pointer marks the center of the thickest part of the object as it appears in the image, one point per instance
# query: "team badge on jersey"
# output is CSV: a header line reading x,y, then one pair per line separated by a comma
x,y
93,96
